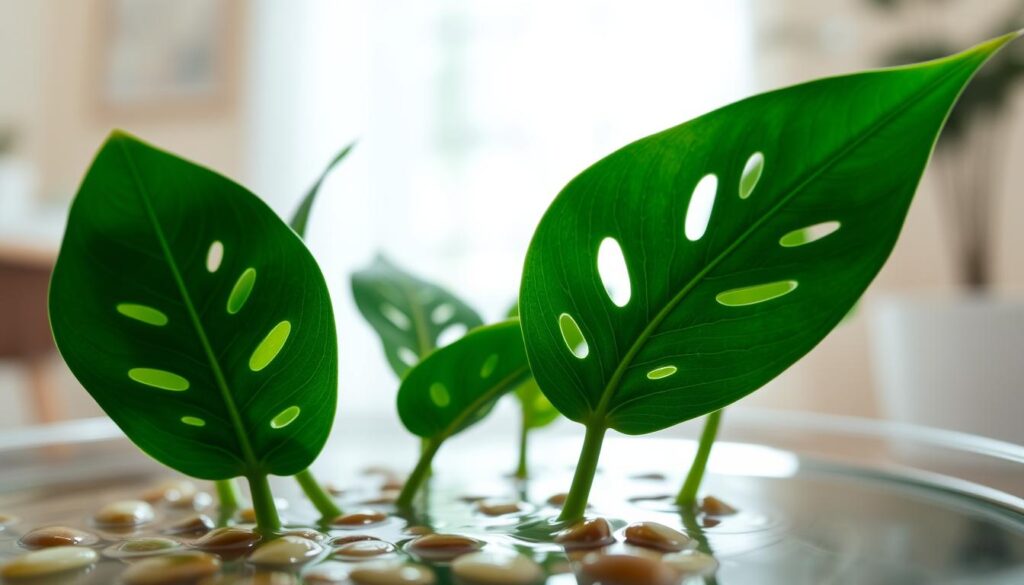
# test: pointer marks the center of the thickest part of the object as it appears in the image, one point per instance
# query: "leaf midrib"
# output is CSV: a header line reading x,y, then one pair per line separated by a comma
x,y
218,373
601,414
482,400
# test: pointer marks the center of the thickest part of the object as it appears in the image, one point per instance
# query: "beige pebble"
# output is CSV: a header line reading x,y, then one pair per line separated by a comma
x,y
379,470
7,520
51,536
649,476
691,562
658,536
186,567
443,547
197,501
169,491
362,549
307,533
393,483
498,507
359,519
141,547
712,506
286,551
651,498
247,515
340,540
385,498
327,573
227,539
193,525
124,514
625,570
48,561
588,533
497,568
392,573
259,578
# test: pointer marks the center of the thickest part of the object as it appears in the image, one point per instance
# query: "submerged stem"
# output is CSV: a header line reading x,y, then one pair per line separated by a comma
x,y
522,469
229,499
267,520
322,501
420,473
576,502
688,494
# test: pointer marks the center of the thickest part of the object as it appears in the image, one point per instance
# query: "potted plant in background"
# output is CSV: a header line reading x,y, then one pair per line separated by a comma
x,y
952,360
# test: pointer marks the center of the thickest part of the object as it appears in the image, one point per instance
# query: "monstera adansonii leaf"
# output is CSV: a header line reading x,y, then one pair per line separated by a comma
x,y
456,386
194,316
409,314
746,234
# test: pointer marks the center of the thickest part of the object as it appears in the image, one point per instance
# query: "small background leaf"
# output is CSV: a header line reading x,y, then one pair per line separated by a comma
x,y
457,385
154,230
301,217
409,314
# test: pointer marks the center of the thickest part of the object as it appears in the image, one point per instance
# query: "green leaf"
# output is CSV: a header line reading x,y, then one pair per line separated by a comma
x,y
301,217
408,314
457,385
715,308
194,316
536,408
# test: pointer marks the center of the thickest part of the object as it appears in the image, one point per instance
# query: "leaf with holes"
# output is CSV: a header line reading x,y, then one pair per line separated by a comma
x,y
411,316
194,316
456,386
691,267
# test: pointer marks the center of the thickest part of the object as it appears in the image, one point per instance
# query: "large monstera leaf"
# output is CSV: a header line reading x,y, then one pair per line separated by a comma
x,y
194,316
747,234
409,314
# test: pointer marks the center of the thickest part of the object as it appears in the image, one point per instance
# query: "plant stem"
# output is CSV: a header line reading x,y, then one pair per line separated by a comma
x,y
229,496
322,501
267,520
688,494
420,473
576,502
522,470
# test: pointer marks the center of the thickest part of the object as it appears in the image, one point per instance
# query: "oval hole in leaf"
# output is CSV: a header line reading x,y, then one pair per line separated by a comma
x,y
662,372
285,417
698,213
408,356
395,316
751,295
808,234
573,336
442,313
214,256
451,333
161,379
439,395
142,313
240,292
611,265
193,421
489,364
271,345
751,174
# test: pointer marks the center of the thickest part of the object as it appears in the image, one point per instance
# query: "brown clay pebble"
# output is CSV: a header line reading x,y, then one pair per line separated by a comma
x,y
384,499
197,501
359,519
195,525
286,551
48,561
652,476
624,570
169,491
498,568
57,536
418,530
498,508
247,515
657,536
588,533
227,539
392,573
173,569
691,562
712,506
393,483
362,549
341,540
124,514
709,522
558,500
443,547
651,498
260,578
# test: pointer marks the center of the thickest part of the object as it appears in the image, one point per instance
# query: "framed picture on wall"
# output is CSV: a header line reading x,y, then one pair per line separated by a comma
x,y
158,56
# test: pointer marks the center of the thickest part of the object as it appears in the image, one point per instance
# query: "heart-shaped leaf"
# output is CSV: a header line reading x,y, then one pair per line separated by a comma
x,y
409,314
744,235
194,316
458,385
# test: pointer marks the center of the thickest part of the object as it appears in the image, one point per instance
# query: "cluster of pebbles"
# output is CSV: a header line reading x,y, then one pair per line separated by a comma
x,y
165,538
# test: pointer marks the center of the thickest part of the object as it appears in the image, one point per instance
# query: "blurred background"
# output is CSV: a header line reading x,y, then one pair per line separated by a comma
x,y
469,117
